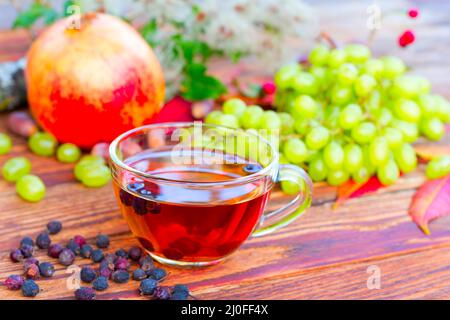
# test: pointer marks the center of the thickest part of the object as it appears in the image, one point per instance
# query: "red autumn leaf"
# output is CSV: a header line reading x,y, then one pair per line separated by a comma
x,y
431,201
426,152
352,189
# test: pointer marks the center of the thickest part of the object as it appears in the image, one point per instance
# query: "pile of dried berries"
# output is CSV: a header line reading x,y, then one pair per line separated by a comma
x,y
116,267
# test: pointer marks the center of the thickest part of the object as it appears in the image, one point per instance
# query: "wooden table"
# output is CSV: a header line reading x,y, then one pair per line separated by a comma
x,y
324,255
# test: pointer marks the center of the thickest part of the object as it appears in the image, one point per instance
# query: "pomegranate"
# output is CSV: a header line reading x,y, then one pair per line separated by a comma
x,y
89,84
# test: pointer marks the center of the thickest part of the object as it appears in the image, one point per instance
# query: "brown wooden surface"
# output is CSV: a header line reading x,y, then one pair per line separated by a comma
x,y
323,255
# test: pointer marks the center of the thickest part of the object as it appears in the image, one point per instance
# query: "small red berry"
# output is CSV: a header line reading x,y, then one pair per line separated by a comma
x,y
406,38
269,88
413,12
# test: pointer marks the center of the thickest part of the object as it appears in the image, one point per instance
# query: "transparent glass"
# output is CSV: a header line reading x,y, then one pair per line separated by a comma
x,y
193,193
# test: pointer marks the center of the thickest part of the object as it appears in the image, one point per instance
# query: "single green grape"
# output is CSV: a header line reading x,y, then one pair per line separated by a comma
x,y
379,151
407,110
213,117
68,153
373,67
428,104
319,55
5,143
364,85
333,155
393,136
290,187
16,168
85,164
347,73
251,117
321,74
392,67
353,158
96,176
235,106
406,87
384,117
357,53
301,126
373,102
42,144
317,169
388,173
367,162
305,83
364,132
228,120
361,175
409,130
30,188
287,123
438,167
317,138
336,57
295,150
270,121
443,109
406,158
432,128
350,116
341,95
285,75
337,177
304,107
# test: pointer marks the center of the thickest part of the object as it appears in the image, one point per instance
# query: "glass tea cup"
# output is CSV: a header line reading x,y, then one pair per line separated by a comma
x,y
192,193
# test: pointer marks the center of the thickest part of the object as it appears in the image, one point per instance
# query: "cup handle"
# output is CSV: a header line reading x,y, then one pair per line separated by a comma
x,y
283,216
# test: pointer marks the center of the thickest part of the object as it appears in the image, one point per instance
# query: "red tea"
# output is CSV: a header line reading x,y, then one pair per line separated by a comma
x,y
186,223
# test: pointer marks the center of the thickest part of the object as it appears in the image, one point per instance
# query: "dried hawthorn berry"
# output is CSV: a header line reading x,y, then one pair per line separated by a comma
x,y
148,286
135,186
85,293
161,293
54,227
16,255
66,257
43,241
146,263
100,284
27,250
26,241
102,241
181,288
105,269
157,273
97,255
14,282
121,253
252,168
80,240
120,276
126,198
178,296
86,251
139,274
46,269
30,288
73,246
55,250
135,253
31,271
122,264
88,274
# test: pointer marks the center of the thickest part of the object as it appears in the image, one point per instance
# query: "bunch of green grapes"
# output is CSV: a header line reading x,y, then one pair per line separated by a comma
x,y
346,115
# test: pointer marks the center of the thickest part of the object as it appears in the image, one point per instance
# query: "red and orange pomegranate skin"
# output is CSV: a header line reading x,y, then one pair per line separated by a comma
x,y
89,84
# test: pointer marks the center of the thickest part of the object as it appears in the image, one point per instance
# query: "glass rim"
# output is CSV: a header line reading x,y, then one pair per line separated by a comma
x,y
248,178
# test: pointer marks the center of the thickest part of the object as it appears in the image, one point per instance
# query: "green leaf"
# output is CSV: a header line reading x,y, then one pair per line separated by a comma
x,y
197,85
149,32
67,4
27,18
